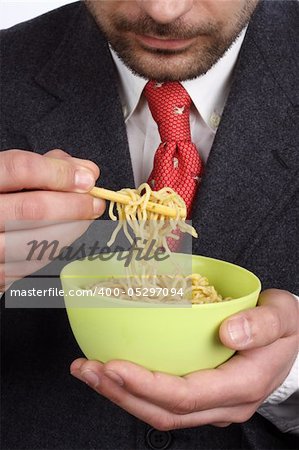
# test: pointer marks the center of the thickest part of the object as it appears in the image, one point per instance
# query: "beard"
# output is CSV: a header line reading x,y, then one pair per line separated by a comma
x,y
210,42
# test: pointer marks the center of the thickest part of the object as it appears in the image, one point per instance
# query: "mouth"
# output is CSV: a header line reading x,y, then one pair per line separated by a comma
x,y
154,43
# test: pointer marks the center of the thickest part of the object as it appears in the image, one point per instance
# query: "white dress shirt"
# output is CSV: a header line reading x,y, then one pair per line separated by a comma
x,y
209,93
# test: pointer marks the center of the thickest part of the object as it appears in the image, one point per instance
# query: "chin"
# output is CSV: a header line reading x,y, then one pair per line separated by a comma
x,y
163,67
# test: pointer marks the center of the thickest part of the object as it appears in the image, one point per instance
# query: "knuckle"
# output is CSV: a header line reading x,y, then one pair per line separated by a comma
x,y
259,381
29,208
19,165
260,393
185,406
113,396
163,422
244,414
57,153
64,174
274,321
255,396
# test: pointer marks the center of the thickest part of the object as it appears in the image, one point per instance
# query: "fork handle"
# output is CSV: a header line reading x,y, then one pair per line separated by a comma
x,y
117,197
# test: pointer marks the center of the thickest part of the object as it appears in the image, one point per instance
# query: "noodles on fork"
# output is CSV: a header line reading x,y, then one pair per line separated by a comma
x,y
155,230
145,224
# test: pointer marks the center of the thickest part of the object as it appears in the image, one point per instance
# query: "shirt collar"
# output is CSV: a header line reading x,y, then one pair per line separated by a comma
x,y
208,92
130,86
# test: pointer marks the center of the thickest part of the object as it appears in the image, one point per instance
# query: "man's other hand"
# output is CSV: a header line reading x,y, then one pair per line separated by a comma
x,y
266,340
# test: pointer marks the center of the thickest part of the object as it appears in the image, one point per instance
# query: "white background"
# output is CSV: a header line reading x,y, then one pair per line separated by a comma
x,y
15,11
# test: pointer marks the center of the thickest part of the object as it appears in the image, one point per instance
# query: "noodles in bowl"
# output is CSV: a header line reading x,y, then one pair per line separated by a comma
x,y
169,289
155,232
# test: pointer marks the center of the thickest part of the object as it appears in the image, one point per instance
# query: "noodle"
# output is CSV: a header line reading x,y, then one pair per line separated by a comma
x,y
145,224
154,230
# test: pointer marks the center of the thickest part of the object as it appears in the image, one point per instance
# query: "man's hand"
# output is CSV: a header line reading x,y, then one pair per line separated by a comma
x,y
34,190
266,340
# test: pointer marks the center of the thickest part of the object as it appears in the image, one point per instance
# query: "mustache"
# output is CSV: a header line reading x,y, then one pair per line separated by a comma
x,y
175,30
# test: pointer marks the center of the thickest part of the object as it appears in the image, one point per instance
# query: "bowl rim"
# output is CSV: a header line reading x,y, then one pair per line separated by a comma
x,y
115,301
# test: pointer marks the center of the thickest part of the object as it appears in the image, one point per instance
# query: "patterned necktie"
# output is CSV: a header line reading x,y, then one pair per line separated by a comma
x,y
177,163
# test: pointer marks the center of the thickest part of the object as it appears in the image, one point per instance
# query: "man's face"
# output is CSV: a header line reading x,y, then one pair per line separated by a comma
x,y
169,40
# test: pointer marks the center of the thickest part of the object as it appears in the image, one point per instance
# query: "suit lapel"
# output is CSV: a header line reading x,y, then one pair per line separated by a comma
x,y
87,120
252,170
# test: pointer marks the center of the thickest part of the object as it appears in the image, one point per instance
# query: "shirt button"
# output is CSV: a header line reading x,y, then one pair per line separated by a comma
x,y
215,120
125,111
158,440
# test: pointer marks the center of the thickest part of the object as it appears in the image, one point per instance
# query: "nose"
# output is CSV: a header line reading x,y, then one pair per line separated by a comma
x,y
165,11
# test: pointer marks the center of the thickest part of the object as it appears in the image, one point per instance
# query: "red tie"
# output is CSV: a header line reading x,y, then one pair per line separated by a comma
x,y
177,163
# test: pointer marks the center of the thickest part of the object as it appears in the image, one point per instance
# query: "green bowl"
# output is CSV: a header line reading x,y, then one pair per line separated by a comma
x,y
175,339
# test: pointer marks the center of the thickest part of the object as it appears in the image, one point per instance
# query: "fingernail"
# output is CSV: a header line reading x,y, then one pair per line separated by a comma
x,y
114,377
90,378
98,206
76,366
239,330
84,180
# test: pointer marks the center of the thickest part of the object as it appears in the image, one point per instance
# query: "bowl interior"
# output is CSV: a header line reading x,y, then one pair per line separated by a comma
x,y
228,279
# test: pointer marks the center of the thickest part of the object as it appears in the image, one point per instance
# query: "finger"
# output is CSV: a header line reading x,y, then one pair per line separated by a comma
x,y
91,372
221,424
76,364
162,419
275,317
11,272
60,154
27,170
198,391
43,243
37,206
209,389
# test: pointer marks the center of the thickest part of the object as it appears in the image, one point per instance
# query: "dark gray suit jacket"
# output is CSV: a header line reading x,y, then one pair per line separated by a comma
x,y
59,90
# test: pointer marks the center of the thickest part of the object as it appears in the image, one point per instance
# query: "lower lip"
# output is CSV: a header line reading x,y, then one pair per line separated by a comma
x,y
163,44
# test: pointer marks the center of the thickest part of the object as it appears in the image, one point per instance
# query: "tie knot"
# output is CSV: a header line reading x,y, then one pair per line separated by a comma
x,y
169,104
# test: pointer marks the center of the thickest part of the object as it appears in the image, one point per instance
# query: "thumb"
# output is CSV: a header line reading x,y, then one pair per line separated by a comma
x,y
276,316
61,154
